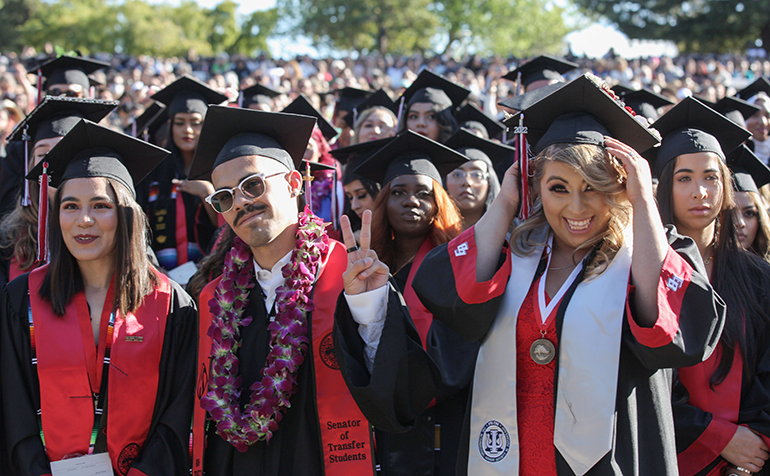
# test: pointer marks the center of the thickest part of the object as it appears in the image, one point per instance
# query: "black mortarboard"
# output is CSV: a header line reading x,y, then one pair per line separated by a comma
x,y
146,118
471,114
542,67
749,172
581,112
691,127
91,150
70,70
410,154
761,84
303,107
523,101
736,109
258,94
642,101
379,98
187,94
55,116
354,155
470,145
231,132
435,89
348,98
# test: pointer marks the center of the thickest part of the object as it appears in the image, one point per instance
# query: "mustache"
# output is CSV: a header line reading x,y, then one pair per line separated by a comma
x,y
254,207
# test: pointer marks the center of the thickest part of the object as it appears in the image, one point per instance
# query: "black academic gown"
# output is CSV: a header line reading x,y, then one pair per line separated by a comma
x,y
643,442
295,448
166,449
410,449
11,176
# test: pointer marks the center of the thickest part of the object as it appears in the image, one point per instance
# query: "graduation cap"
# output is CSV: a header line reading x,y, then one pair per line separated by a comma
x,y
303,107
307,168
642,101
230,132
471,117
187,94
692,127
581,112
410,154
70,70
478,148
257,94
352,156
379,98
348,98
542,67
736,109
55,116
435,89
144,120
761,84
523,101
91,150
749,172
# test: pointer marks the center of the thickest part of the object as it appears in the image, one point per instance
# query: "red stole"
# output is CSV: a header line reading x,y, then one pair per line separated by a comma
x,y
421,317
69,371
345,433
723,402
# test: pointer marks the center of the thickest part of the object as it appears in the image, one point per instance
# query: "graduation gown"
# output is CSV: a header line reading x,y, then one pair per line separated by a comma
x,y
427,444
297,447
643,437
166,448
706,419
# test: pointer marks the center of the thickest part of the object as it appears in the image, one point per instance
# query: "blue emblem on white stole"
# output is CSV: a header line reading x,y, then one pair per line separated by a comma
x,y
494,441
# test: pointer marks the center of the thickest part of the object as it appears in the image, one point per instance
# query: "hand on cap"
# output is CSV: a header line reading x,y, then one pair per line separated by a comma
x,y
509,189
639,182
365,271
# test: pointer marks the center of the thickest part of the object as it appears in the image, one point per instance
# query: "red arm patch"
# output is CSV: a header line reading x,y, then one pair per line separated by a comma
x,y
707,447
462,255
674,279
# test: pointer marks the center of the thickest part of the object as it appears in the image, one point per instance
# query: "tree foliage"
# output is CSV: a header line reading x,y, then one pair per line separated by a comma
x,y
695,25
139,27
402,26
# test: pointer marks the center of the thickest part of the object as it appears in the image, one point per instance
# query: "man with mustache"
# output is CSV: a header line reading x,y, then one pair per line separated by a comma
x,y
267,376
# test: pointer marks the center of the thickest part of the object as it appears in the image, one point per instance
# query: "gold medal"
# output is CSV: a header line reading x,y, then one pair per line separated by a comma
x,y
542,351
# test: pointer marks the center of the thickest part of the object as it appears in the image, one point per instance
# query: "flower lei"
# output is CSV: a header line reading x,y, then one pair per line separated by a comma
x,y
288,343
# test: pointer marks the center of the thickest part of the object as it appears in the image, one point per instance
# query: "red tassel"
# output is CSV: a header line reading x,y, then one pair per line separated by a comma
x,y
42,217
521,151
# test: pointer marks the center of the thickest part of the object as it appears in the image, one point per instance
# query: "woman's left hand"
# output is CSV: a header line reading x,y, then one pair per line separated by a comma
x,y
199,188
639,182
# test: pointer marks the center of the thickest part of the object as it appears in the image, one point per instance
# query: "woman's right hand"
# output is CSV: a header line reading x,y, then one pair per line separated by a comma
x,y
365,271
746,450
509,189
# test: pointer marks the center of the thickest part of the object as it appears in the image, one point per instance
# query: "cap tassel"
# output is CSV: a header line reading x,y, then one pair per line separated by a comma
x,y
26,200
355,115
133,129
307,178
92,92
521,152
42,217
334,198
518,84
400,110
39,87
240,99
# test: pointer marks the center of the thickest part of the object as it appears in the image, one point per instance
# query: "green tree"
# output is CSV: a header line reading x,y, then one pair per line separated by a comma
x,y
695,25
13,14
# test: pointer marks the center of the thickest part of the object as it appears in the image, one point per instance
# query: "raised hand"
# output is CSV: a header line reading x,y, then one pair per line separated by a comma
x,y
639,185
365,271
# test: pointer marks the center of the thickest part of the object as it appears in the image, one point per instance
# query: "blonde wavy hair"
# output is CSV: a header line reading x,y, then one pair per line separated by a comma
x,y
603,173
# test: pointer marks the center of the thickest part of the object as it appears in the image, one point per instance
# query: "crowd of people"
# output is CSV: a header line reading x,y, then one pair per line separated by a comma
x,y
387,266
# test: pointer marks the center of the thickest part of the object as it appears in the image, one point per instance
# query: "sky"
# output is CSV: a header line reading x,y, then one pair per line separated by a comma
x,y
593,41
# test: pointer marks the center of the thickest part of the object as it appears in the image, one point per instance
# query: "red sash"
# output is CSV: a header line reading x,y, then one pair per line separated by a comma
x,y
69,371
421,317
345,433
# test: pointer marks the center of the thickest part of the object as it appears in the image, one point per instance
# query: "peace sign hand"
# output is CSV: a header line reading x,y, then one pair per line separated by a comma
x,y
365,271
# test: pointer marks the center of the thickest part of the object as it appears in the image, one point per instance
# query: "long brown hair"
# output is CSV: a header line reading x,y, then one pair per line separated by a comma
x,y
134,278
738,276
18,230
447,223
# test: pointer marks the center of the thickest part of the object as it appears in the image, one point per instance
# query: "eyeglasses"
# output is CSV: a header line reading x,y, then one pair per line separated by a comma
x,y
475,176
252,187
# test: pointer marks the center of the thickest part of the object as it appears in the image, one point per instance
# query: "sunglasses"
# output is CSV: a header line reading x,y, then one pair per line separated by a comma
x,y
252,187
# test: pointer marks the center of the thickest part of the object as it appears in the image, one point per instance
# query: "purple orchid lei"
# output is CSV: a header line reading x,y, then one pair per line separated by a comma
x,y
288,344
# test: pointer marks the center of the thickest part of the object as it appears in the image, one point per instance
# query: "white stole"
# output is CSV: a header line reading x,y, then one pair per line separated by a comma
x,y
589,354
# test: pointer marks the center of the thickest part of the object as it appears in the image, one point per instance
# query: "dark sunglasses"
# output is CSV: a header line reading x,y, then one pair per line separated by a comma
x,y
252,187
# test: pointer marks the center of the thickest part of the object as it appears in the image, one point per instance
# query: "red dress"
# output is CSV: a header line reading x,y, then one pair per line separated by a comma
x,y
534,389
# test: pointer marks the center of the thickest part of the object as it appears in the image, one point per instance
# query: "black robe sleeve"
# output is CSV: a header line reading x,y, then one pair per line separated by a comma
x,y
404,379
